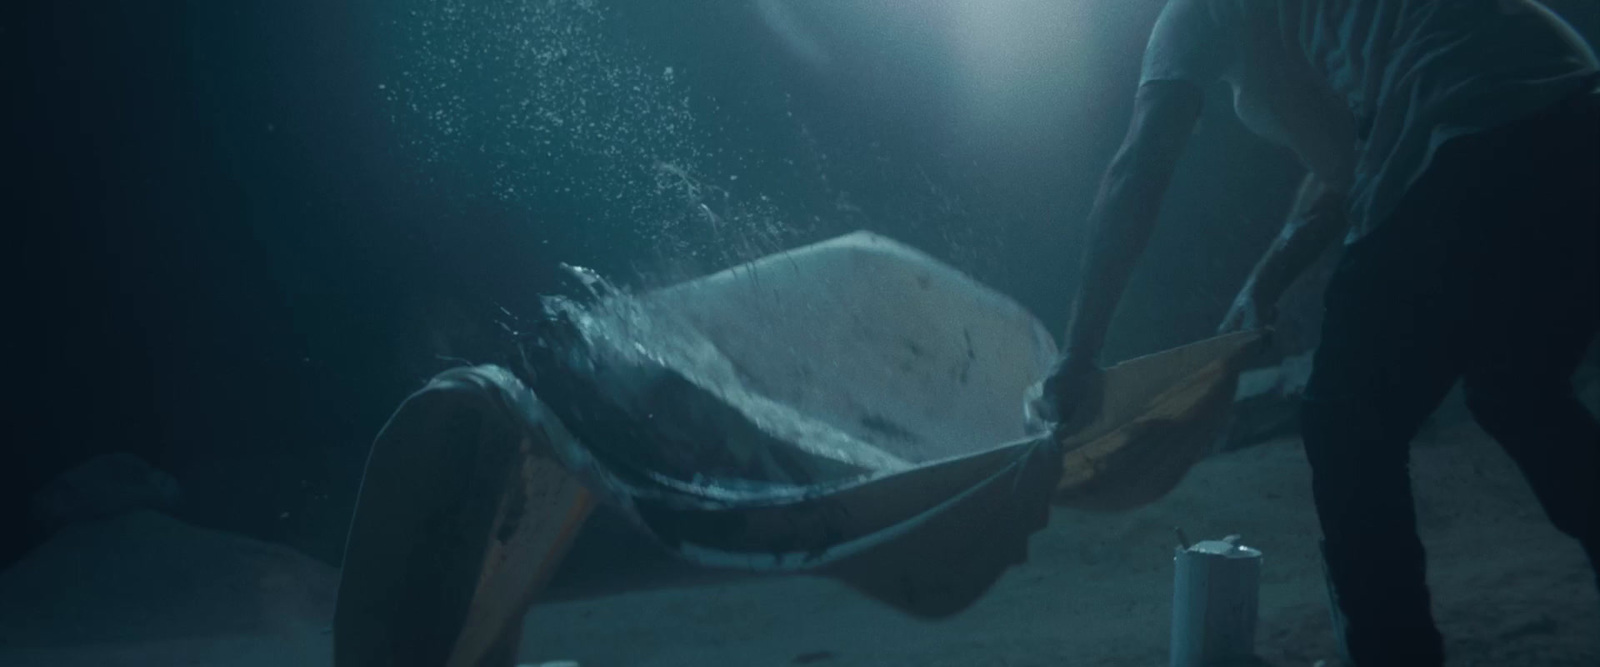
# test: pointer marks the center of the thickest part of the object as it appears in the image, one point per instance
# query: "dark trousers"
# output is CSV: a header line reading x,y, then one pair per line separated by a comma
x,y
1486,274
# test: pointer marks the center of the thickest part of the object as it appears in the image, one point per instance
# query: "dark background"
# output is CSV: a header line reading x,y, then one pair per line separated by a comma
x,y
221,261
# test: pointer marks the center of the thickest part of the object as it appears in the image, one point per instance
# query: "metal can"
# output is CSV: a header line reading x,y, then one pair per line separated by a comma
x,y
1215,603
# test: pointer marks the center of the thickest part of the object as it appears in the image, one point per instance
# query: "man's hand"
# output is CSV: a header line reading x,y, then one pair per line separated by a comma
x,y
1070,396
1248,313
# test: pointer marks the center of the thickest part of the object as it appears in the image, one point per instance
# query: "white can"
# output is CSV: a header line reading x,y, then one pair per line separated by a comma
x,y
1215,596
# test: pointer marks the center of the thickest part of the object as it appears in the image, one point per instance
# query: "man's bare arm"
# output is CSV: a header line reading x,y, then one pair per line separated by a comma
x,y
1125,210
1315,221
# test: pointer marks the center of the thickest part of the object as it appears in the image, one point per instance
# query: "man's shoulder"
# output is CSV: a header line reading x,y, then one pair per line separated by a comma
x,y
1192,41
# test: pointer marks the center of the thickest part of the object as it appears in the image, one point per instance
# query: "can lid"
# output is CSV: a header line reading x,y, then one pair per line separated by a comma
x,y
1227,547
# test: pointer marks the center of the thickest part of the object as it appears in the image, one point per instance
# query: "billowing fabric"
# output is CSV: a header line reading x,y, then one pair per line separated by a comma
x,y
1366,91
852,409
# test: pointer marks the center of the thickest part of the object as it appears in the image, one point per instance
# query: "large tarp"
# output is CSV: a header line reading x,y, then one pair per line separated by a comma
x,y
852,408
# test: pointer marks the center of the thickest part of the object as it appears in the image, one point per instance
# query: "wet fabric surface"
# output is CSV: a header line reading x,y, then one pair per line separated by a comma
x,y
852,409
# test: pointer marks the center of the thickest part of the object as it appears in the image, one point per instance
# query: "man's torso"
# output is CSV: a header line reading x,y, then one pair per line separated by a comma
x,y
1364,91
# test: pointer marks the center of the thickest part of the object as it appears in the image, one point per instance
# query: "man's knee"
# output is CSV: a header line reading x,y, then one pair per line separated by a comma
x,y
1356,430
1358,461
1331,430
1553,440
1499,400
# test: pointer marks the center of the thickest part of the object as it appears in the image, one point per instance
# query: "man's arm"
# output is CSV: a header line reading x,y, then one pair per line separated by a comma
x,y
1124,215
1125,210
1315,221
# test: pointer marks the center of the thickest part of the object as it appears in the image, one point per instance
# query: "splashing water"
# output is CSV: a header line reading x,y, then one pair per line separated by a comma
x,y
625,343
536,100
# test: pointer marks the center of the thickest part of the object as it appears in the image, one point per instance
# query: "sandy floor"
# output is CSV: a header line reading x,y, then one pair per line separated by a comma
x,y
1510,590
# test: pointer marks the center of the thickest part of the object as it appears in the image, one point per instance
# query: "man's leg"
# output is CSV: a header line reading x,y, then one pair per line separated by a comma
x,y
1538,302
1387,358
1358,450
1552,437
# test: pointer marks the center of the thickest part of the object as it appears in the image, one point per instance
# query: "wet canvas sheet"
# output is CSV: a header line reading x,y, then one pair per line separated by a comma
x,y
852,408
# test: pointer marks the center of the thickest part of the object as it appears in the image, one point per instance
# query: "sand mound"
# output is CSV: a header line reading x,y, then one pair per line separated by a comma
x,y
146,589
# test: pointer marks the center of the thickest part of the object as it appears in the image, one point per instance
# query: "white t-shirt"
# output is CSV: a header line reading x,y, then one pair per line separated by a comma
x,y
1365,91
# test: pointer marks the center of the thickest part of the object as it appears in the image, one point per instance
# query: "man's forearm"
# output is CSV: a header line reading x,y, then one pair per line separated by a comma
x,y
1126,208
1120,228
1316,221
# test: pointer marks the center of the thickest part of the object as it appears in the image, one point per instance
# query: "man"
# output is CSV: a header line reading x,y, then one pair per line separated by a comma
x,y
1455,145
